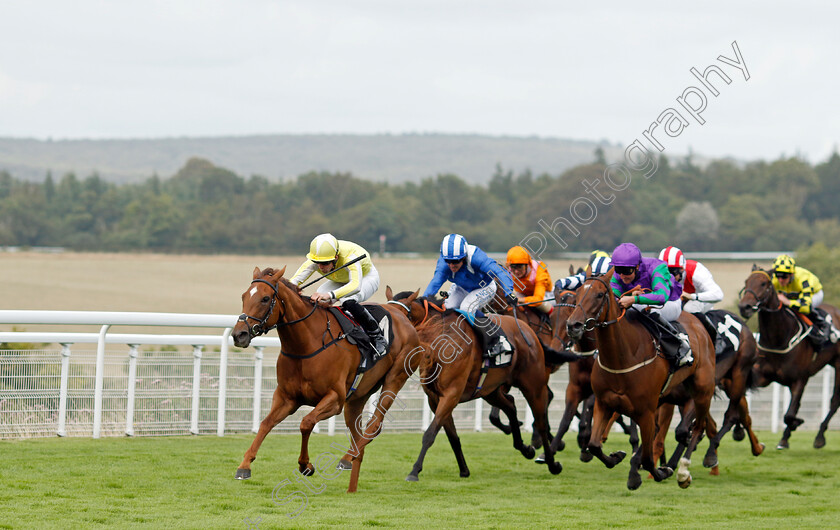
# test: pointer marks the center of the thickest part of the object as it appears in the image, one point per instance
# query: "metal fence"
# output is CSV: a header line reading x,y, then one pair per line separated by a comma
x,y
101,384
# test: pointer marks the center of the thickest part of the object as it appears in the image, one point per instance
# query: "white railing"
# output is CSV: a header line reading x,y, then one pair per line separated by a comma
x,y
41,388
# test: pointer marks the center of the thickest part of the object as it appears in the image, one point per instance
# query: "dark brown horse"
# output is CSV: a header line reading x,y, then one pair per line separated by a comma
x,y
630,375
733,374
451,373
318,368
785,355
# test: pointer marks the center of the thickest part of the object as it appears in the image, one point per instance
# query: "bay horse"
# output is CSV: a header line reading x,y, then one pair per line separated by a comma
x,y
451,373
631,375
733,375
785,355
318,368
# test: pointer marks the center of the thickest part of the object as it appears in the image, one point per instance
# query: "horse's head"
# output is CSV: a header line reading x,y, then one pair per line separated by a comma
x,y
564,304
758,293
259,306
594,307
407,300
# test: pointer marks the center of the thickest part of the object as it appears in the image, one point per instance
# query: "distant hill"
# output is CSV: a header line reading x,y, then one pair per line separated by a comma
x,y
382,158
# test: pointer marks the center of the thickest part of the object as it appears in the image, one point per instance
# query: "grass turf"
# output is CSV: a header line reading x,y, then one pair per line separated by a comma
x,y
187,482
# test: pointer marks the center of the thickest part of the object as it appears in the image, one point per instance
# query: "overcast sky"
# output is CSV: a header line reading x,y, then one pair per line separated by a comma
x,y
583,70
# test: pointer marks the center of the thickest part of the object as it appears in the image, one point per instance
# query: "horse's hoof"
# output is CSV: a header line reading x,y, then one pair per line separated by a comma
x,y
819,442
555,468
528,452
685,483
665,472
782,445
738,433
560,445
634,482
464,474
585,456
540,459
412,478
308,471
759,451
344,464
714,471
242,474
619,456
711,460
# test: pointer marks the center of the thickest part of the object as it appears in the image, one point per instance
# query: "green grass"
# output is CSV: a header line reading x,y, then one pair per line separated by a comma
x,y
188,483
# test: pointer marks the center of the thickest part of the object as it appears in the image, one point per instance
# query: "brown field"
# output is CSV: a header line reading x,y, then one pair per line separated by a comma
x,y
203,284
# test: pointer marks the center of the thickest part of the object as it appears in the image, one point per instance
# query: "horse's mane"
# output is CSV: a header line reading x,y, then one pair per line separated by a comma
x,y
436,323
269,271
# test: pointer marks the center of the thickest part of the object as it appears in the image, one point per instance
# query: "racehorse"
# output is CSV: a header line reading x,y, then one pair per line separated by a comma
x,y
318,368
579,388
630,375
784,354
733,374
451,373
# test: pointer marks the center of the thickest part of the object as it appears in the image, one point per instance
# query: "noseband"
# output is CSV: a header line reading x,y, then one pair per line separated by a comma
x,y
761,300
261,327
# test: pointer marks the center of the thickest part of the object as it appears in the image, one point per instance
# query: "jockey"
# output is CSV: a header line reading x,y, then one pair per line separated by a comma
x,y
802,291
632,275
473,275
599,264
530,279
699,290
349,286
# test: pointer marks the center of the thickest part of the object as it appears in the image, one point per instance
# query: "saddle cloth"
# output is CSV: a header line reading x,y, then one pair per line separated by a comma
x,y
488,332
356,335
727,331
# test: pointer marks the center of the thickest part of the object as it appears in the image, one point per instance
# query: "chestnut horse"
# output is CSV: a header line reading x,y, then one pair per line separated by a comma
x,y
785,355
451,373
631,375
579,388
318,368
733,375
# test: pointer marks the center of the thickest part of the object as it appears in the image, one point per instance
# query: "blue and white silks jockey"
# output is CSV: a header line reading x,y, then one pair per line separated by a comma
x,y
473,274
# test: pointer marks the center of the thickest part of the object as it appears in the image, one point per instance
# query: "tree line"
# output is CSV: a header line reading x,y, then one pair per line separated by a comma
x,y
720,206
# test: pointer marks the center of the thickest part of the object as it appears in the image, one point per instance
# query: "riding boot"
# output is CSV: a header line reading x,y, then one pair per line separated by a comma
x,y
675,345
824,328
368,323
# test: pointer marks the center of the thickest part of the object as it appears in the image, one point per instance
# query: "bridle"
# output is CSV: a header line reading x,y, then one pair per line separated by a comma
x,y
595,322
261,327
761,300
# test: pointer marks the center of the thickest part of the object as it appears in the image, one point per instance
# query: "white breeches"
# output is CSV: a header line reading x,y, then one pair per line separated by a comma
x,y
670,311
367,287
470,301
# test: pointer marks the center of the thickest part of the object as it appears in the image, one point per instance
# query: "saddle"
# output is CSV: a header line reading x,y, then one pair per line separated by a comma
x,y
356,335
668,344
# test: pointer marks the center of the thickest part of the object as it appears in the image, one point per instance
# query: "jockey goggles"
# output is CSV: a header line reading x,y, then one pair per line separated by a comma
x,y
782,275
620,269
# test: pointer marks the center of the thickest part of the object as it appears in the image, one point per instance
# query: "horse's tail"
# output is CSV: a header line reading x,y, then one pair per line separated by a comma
x,y
557,356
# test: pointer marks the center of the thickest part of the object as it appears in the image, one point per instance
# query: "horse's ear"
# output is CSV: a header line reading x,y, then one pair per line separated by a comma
x,y
389,294
571,269
256,272
755,267
278,273
413,296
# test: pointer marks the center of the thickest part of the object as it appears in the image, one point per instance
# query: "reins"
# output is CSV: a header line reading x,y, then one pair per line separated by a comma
x,y
260,327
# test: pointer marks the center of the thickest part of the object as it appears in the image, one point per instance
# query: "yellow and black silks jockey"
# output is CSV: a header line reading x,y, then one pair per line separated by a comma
x,y
801,290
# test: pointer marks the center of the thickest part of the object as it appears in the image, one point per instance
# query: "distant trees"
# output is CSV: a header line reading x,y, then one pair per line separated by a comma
x,y
783,204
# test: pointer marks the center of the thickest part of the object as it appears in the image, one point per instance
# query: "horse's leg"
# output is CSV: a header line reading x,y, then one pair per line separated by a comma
x,y
791,421
330,405
585,428
703,422
634,435
446,404
746,421
280,410
536,438
647,428
682,434
497,422
600,417
573,397
455,443
505,403
664,414
819,441
537,398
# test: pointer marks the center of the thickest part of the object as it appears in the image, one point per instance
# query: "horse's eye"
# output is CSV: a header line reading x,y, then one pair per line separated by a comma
x,y
266,299
600,295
